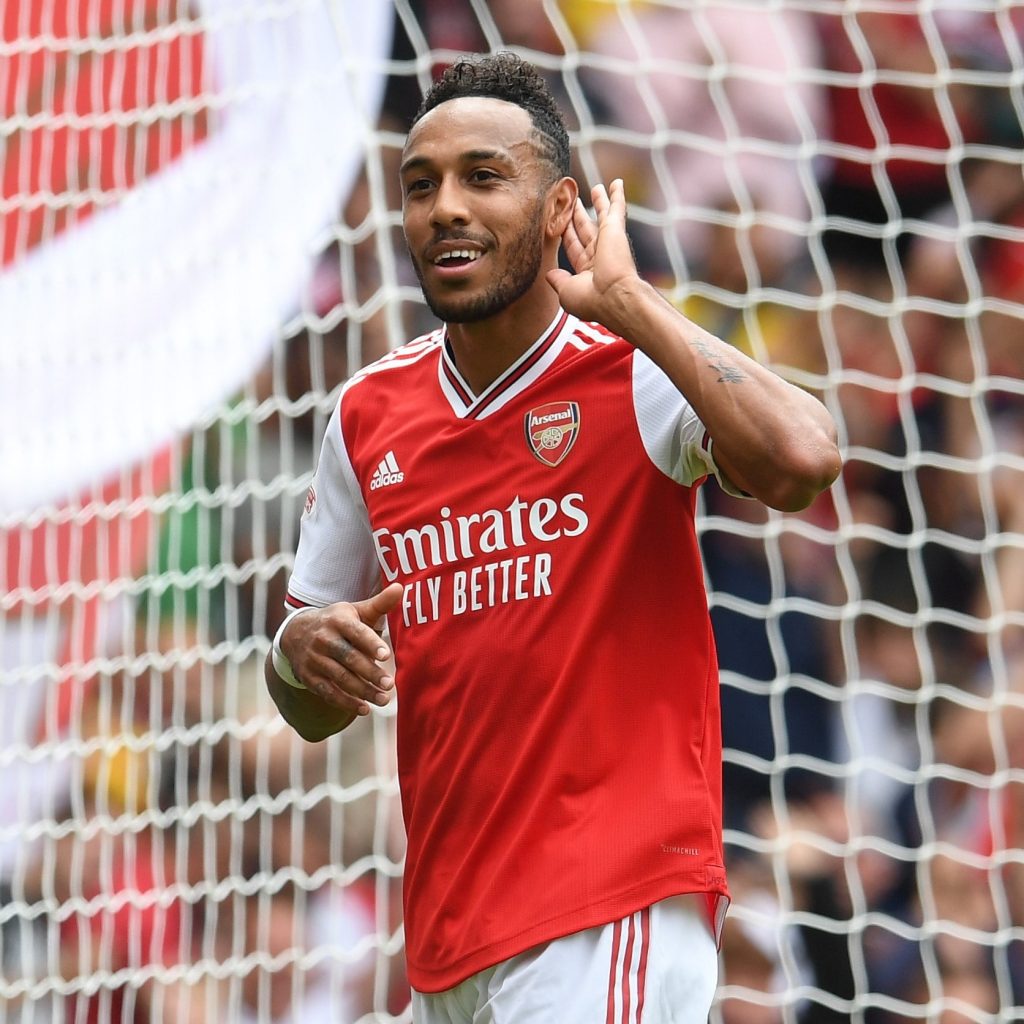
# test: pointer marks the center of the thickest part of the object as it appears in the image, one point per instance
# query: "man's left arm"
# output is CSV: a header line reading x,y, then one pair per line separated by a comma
x,y
771,439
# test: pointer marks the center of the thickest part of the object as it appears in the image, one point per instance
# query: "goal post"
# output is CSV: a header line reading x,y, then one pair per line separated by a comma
x,y
201,241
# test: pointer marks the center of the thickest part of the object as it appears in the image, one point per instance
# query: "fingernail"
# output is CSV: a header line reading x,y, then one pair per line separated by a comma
x,y
382,652
387,682
382,699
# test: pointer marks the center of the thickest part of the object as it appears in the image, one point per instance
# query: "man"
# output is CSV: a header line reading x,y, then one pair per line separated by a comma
x,y
522,484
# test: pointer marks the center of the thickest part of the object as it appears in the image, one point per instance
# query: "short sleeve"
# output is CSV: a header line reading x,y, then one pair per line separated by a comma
x,y
336,559
673,435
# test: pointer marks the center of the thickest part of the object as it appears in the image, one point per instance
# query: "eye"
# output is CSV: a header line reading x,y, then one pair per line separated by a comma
x,y
481,175
418,185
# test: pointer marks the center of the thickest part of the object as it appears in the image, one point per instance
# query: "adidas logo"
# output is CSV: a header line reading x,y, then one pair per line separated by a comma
x,y
387,473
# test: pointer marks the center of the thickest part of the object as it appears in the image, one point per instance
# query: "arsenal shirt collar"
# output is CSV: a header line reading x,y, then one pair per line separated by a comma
x,y
517,378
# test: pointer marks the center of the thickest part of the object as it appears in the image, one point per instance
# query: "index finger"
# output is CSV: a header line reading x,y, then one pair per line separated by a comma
x,y
584,227
578,239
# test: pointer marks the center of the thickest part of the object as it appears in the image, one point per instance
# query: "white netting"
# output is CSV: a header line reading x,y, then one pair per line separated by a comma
x,y
835,186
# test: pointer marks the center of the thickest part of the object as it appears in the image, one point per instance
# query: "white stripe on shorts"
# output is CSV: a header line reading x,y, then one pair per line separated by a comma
x,y
631,939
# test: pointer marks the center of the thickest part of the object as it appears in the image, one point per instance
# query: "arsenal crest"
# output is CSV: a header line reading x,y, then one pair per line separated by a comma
x,y
551,430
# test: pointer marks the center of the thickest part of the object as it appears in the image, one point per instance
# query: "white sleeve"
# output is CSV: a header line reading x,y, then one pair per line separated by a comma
x,y
336,559
673,435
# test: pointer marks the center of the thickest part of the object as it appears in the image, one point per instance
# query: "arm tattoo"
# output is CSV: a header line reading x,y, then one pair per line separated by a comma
x,y
727,374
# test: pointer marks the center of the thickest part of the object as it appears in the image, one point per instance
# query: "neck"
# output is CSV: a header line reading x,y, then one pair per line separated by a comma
x,y
484,350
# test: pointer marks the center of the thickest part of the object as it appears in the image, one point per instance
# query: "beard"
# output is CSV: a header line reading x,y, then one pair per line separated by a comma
x,y
522,266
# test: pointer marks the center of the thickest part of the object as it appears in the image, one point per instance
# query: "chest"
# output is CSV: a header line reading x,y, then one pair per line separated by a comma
x,y
564,435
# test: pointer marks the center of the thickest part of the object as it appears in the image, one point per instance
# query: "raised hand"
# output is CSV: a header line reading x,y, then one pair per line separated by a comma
x,y
601,257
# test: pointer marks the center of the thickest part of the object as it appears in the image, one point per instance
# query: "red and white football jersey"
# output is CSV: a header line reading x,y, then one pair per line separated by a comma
x,y
559,736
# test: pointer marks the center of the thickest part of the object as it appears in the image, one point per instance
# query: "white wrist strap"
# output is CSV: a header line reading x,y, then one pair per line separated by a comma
x,y
282,666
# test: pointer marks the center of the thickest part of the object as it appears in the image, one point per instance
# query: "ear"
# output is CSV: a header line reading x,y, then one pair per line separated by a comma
x,y
561,203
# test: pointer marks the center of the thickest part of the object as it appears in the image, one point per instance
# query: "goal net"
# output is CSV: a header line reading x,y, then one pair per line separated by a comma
x,y
201,240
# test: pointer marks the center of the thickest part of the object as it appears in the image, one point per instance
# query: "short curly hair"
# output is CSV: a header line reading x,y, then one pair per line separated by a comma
x,y
505,76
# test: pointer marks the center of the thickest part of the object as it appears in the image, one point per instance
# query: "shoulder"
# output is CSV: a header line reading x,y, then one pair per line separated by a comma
x,y
595,342
394,382
587,334
395,367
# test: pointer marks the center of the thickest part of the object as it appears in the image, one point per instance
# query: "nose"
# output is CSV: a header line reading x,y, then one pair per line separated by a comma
x,y
449,203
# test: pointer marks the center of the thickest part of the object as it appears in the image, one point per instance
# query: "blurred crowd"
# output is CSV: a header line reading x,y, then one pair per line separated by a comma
x,y
836,190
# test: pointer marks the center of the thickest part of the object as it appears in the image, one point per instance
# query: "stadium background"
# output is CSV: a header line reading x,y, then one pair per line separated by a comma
x,y
201,240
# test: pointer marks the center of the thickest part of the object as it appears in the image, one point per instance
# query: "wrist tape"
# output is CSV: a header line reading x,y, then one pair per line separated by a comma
x,y
282,666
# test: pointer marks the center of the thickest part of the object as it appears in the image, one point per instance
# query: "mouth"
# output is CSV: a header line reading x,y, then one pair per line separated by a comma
x,y
455,262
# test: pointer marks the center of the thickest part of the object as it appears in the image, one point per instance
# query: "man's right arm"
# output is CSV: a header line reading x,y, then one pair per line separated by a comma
x,y
328,667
